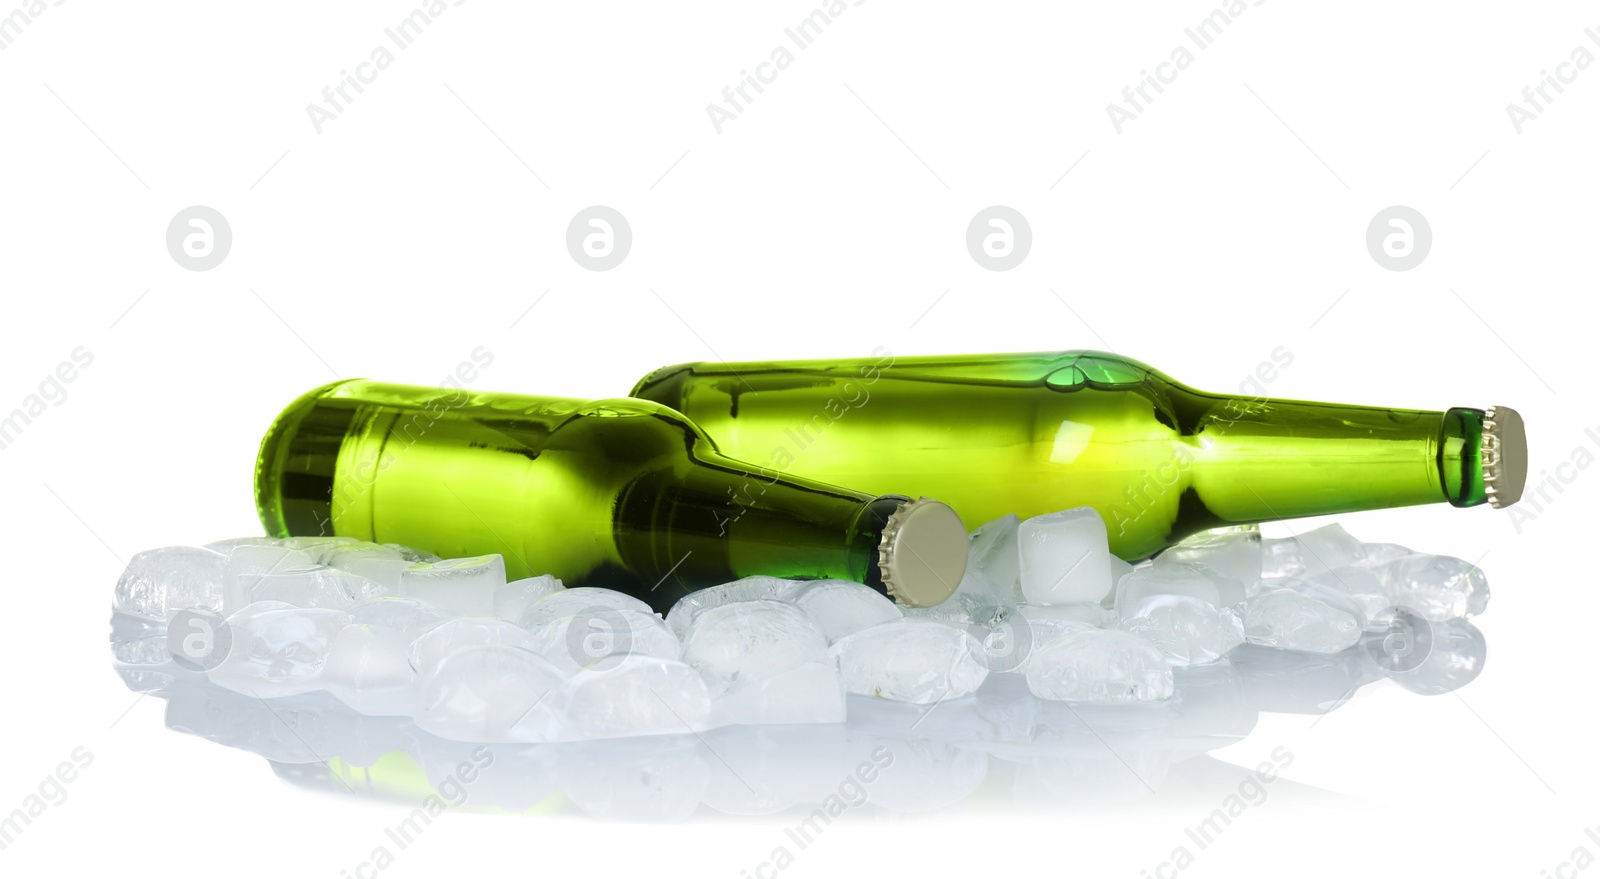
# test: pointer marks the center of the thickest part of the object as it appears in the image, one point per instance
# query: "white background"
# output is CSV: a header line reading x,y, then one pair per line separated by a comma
x,y
1225,221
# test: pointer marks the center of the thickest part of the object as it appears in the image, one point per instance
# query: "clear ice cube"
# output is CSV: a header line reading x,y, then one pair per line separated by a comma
x,y
367,669
1230,552
840,607
1186,629
160,582
993,553
1099,665
1177,578
746,589
1437,587
490,693
278,650
512,600
564,603
592,638
911,660
408,615
1064,557
465,586
740,642
640,695
437,644
311,586
248,563
1302,616
1328,548
1362,586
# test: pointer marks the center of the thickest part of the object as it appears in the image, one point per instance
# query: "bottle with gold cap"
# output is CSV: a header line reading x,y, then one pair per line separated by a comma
x,y
1036,433
622,493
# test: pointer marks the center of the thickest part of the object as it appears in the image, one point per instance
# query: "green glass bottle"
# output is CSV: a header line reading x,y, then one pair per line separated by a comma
x,y
1035,433
622,493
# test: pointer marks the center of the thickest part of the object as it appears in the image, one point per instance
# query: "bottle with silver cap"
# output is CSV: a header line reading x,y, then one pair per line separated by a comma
x,y
623,493
1036,433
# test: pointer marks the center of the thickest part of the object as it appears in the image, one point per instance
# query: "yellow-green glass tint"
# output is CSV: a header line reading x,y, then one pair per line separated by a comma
x,y
1036,433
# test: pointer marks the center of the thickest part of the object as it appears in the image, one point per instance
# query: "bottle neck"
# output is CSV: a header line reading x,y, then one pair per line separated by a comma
x,y
1276,459
708,519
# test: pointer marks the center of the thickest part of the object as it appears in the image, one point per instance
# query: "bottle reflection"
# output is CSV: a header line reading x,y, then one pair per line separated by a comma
x,y
998,748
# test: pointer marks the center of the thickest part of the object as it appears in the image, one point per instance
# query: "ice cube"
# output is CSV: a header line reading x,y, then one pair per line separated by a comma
x,y
1186,629
1064,557
512,600
1299,615
367,669
740,642
227,546
640,695
385,572
1375,555
1280,558
1176,578
1087,613
1328,548
746,589
448,638
1362,586
565,603
160,582
317,545
976,599
597,636
248,563
1435,586
911,660
278,650
840,607
413,555
490,693
993,553
1099,665
1230,552
408,615
1008,644
810,693
1119,569
465,586
311,586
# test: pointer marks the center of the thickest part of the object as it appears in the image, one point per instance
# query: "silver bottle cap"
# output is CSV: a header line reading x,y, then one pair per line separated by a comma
x,y
1504,456
923,553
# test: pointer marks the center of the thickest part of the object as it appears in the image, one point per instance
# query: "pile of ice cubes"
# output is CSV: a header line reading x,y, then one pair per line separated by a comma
x,y
388,630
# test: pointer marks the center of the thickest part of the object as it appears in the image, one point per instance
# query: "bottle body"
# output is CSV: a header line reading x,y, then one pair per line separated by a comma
x,y
1036,433
623,494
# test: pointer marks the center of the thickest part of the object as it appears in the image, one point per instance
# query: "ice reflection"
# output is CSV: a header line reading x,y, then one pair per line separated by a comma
x,y
999,747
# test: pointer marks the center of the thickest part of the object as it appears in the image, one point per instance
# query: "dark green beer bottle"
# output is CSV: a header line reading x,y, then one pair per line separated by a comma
x,y
1035,433
622,493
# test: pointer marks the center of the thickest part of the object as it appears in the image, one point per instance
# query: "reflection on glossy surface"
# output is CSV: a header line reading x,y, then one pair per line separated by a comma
x,y
999,747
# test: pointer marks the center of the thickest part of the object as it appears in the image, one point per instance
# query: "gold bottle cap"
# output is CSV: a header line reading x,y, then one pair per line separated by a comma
x,y
923,553
1504,456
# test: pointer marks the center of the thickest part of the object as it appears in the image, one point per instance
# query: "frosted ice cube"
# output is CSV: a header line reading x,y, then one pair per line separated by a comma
x,y
408,615
993,552
1362,586
1176,578
640,695
745,589
1435,586
1231,552
437,644
277,650
512,600
490,693
1328,548
734,644
1187,630
248,563
311,586
465,586
367,669
1376,555
1299,615
911,660
810,693
160,582
594,637
840,607
1065,557
565,603
1099,665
